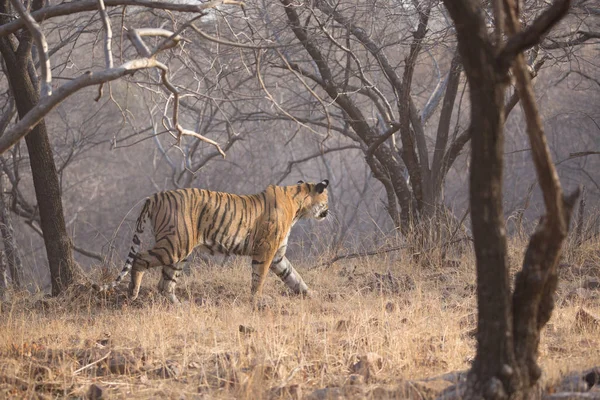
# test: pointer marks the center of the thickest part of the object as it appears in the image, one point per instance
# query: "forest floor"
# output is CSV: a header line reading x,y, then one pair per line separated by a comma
x,y
377,327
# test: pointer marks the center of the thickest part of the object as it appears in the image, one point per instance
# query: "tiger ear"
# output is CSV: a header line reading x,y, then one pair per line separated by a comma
x,y
300,182
320,187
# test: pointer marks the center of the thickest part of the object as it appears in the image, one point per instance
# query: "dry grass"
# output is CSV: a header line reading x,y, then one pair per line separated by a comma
x,y
419,321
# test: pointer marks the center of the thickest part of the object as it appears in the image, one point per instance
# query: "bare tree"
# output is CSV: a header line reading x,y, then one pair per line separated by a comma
x,y
508,330
384,77
17,37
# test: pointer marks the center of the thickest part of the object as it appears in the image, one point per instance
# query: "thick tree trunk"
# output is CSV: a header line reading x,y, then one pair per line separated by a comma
x,y
23,82
508,329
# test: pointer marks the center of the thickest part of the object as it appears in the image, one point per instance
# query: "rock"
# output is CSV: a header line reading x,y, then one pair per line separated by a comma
x,y
194,365
572,396
592,377
246,330
432,388
342,325
390,306
592,284
356,379
293,392
368,366
581,293
389,284
335,393
95,392
585,320
170,370
326,394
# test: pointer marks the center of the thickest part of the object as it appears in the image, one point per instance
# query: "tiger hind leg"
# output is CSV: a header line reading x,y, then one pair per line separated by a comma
x,y
292,279
168,280
143,261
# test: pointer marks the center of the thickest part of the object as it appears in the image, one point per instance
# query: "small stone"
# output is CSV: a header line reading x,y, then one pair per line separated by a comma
x,y
579,294
342,325
95,392
168,371
293,392
592,284
390,306
585,320
368,366
356,379
332,393
194,365
246,330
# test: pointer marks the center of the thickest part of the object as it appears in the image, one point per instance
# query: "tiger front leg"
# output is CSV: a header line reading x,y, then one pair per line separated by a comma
x,y
292,279
260,269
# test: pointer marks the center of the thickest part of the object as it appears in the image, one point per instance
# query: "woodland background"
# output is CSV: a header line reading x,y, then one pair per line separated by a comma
x,y
277,125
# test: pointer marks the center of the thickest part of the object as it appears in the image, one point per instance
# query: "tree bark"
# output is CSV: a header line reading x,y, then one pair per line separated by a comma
x,y
12,258
22,78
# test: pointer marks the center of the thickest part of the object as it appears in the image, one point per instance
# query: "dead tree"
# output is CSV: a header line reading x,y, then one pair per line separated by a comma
x,y
509,325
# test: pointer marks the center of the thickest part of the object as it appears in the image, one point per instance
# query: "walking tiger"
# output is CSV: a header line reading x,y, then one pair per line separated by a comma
x,y
255,225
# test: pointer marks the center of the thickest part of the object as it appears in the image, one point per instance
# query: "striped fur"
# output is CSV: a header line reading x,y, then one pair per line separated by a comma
x,y
251,225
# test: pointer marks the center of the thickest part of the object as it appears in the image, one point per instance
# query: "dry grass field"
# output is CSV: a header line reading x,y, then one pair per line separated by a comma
x,y
374,323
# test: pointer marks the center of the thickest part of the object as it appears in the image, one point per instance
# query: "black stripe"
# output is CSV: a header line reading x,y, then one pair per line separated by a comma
x,y
256,262
277,261
225,235
234,238
286,272
225,212
136,240
160,208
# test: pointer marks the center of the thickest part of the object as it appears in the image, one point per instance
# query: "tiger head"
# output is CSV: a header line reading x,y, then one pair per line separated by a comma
x,y
314,203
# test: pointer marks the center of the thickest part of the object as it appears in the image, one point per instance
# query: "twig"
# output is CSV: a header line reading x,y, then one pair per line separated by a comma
x,y
360,255
74,7
92,364
233,44
41,44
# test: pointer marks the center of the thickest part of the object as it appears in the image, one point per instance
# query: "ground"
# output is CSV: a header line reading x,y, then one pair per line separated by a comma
x,y
374,323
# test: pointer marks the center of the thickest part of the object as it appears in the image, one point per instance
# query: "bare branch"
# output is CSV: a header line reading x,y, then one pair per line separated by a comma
x,y
233,44
108,34
534,33
75,7
41,44
288,170
46,104
381,139
583,36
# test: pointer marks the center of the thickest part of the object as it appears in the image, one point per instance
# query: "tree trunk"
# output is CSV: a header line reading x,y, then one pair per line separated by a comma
x,y
12,258
24,86
508,329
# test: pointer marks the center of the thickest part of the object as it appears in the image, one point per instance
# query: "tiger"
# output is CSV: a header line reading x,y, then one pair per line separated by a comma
x,y
256,225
